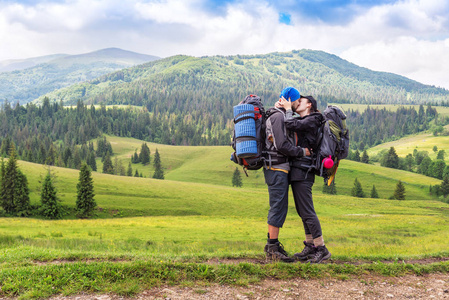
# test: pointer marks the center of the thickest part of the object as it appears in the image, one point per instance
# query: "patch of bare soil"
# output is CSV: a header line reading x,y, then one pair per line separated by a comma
x,y
433,286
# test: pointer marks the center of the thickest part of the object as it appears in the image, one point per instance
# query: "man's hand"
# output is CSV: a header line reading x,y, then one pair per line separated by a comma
x,y
284,103
307,152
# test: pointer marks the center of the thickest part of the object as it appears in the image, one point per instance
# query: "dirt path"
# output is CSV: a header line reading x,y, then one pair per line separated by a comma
x,y
433,286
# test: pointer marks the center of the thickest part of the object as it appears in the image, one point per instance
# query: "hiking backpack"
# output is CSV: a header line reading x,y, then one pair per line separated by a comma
x,y
334,142
248,138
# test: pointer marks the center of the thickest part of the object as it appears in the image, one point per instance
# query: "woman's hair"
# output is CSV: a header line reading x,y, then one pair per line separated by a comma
x,y
312,110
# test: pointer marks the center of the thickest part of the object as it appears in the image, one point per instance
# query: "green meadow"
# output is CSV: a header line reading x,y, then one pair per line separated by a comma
x,y
173,227
444,111
420,142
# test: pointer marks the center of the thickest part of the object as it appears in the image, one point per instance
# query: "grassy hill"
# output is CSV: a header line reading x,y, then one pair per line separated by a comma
x,y
59,71
154,232
217,211
211,165
421,142
326,76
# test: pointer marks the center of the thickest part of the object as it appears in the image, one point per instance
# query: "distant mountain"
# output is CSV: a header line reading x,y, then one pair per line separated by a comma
x,y
49,73
20,64
185,80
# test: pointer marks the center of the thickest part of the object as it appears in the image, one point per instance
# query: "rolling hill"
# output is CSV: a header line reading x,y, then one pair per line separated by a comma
x,y
197,79
46,74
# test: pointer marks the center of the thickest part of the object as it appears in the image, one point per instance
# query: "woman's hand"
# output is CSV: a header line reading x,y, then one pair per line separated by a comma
x,y
284,103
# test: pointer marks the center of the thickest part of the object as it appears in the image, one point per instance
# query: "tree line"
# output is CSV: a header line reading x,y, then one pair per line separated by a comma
x,y
376,126
54,135
15,199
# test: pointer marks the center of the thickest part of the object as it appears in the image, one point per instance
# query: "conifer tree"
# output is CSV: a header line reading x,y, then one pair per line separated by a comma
x,y
85,202
9,179
399,192
330,189
136,174
14,187
158,172
374,193
135,158
50,207
22,195
390,159
356,155
77,159
445,186
129,172
108,168
236,178
365,157
91,161
144,156
2,176
357,190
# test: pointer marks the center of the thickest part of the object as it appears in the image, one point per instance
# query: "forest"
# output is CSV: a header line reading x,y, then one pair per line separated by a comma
x,y
56,135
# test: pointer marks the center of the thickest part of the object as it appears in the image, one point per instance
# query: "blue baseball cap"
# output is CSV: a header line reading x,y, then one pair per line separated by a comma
x,y
290,92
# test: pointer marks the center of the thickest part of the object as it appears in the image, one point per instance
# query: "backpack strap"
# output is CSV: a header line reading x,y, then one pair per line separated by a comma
x,y
244,118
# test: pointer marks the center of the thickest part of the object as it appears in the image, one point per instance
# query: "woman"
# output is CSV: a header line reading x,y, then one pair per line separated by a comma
x,y
302,178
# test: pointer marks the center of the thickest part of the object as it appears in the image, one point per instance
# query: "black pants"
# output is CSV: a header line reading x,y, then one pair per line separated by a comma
x,y
302,193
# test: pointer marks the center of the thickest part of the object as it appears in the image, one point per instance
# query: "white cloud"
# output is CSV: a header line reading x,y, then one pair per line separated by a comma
x,y
409,37
423,61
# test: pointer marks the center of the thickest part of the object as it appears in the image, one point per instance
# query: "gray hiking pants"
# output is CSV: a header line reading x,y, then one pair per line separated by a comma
x,y
277,182
302,193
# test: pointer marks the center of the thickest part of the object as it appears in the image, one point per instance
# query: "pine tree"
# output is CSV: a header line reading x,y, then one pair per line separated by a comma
x,y
22,195
144,156
445,186
356,155
374,193
107,164
2,176
390,159
129,172
50,207
135,158
357,190
136,174
85,202
14,194
330,189
9,178
236,178
158,172
399,192
91,161
77,159
365,157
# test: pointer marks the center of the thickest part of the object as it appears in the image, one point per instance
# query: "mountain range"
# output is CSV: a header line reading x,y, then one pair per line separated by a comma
x,y
115,76
25,80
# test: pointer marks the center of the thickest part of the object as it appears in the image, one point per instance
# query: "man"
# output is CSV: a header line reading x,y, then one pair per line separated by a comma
x,y
280,146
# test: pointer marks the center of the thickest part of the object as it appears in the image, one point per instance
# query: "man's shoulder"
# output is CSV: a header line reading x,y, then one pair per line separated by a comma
x,y
275,113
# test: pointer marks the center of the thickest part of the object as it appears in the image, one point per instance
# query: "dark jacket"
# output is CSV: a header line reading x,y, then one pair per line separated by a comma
x,y
279,144
307,134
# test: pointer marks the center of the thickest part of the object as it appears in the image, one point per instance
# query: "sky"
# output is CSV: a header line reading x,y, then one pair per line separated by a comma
x,y
406,37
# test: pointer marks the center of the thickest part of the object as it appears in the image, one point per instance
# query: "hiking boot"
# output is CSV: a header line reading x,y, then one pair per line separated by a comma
x,y
321,254
307,253
276,252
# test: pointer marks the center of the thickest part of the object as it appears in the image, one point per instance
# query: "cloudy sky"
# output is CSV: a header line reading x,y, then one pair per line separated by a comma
x,y
407,37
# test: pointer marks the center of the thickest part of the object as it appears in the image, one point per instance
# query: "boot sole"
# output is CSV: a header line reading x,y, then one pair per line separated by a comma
x,y
303,258
276,258
324,258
